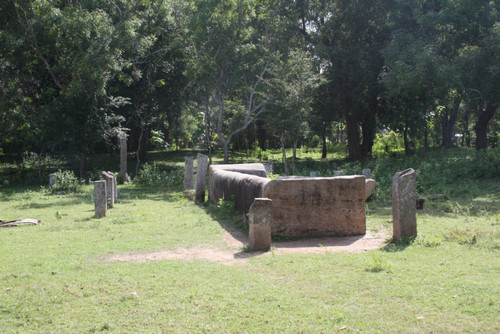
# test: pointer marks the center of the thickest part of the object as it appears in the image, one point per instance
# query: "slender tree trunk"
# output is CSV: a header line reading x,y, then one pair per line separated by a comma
x,y
481,127
406,140
324,152
426,137
138,151
207,128
368,131
448,123
353,138
83,167
294,156
285,167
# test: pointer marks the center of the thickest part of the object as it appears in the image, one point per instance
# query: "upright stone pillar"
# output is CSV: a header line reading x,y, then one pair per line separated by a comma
x,y
110,192
115,186
404,196
260,226
201,175
52,179
367,173
188,173
100,200
123,160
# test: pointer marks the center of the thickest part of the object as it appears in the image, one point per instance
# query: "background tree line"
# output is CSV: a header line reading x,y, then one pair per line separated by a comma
x,y
234,74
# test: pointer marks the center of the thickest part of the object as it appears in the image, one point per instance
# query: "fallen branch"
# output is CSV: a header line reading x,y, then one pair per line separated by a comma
x,y
14,223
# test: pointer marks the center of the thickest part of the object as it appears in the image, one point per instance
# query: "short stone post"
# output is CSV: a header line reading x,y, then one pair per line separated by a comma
x,y
201,175
269,166
52,179
367,173
312,174
259,233
188,173
337,173
110,193
123,159
100,200
404,196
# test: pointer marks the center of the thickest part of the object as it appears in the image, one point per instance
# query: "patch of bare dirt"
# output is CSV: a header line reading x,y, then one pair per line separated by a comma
x,y
236,240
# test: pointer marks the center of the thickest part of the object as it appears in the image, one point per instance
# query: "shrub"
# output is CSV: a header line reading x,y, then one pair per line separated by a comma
x,y
159,175
66,183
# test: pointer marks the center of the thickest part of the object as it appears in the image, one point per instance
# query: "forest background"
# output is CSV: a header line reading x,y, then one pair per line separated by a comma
x,y
369,76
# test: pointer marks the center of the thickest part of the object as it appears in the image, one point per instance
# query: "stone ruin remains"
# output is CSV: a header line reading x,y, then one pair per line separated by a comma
x,y
298,206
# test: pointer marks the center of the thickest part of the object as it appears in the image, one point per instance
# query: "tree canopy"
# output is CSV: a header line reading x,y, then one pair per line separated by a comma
x,y
75,75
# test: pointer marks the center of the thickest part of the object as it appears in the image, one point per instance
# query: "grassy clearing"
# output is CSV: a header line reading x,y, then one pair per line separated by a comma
x,y
54,277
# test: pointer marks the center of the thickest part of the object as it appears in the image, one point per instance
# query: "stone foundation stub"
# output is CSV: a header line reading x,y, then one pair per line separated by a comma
x,y
259,225
201,175
52,179
110,192
404,197
188,173
337,173
367,173
100,200
312,174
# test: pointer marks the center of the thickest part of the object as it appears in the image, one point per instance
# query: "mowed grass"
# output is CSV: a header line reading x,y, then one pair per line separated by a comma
x,y
55,277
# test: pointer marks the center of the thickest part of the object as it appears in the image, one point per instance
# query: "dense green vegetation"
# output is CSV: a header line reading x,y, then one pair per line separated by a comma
x,y
56,277
242,74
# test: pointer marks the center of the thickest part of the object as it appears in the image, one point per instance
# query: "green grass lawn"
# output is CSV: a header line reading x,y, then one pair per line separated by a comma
x,y
56,277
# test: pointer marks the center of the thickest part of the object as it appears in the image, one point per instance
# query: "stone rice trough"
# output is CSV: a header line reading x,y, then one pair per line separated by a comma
x,y
301,206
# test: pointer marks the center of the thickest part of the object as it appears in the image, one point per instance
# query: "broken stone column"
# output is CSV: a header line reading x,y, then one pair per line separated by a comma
x,y
110,193
100,200
188,173
404,197
52,179
201,175
312,174
369,186
260,226
123,159
367,173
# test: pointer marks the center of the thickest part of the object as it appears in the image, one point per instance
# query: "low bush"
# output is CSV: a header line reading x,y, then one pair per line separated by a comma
x,y
157,174
66,183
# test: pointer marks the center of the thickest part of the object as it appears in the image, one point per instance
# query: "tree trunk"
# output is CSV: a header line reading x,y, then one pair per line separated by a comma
x,y
448,123
406,140
138,152
353,137
225,146
207,129
324,152
368,131
426,137
285,167
481,127
83,167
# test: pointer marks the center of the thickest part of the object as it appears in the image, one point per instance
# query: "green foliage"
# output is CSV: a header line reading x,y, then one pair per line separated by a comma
x,y
387,144
66,183
159,175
